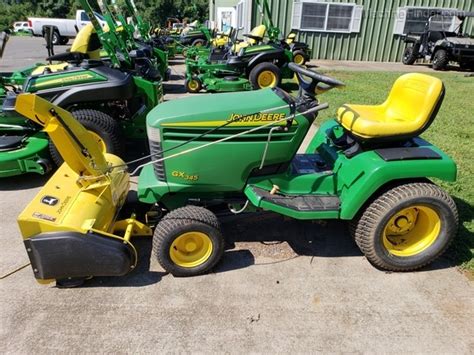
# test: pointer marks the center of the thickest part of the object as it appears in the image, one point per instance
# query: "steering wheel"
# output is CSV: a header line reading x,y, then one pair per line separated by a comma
x,y
310,86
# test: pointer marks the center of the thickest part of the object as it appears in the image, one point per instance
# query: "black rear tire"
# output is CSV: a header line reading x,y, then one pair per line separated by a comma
x,y
264,68
101,124
64,41
395,240
188,222
409,56
440,60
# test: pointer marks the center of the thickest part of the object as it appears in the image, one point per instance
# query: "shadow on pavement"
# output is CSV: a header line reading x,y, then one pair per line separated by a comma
x,y
141,276
23,182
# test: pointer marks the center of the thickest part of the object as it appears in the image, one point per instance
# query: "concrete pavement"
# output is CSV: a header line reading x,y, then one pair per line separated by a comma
x,y
283,286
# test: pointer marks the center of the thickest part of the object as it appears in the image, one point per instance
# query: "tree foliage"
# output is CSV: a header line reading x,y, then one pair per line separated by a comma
x,y
154,11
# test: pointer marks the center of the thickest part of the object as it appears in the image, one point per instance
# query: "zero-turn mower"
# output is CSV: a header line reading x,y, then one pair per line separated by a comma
x,y
367,166
111,98
246,65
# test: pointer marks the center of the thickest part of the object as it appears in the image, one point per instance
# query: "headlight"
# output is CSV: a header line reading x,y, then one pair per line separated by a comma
x,y
154,134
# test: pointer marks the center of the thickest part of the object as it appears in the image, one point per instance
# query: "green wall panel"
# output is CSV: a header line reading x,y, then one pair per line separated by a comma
x,y
374,42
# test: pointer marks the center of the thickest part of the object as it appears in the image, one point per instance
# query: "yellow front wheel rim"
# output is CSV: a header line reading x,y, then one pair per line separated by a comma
x,y
100,141
193,85
298,59
411,231
191,249
267,79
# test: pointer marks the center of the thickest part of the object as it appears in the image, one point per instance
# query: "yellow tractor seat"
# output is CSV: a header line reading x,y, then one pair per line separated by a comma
x,y
409,109
291,37
257,32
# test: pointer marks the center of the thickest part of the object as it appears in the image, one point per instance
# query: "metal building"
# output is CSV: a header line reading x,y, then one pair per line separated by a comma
x,y
363,30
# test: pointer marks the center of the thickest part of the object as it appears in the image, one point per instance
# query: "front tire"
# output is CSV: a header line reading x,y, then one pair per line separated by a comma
x,y
188,241
409,56
265,75
193,85
407,227
299,57
440,60
104,128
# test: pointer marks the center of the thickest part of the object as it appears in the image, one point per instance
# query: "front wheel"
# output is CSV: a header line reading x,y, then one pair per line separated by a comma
x,y
409,56
440,60
407,227
299,57
188,241
193,85
103,128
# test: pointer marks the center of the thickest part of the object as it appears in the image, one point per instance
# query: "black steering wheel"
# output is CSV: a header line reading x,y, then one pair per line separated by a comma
x,y
310,86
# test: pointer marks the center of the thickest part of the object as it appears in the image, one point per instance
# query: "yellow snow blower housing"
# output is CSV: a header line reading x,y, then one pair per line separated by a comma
x,y
71,224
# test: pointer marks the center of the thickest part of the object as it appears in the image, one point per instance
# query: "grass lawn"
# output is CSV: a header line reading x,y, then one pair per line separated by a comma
x,y
452,131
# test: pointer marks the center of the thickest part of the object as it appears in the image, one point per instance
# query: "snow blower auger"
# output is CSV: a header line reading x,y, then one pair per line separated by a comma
x,y
368,167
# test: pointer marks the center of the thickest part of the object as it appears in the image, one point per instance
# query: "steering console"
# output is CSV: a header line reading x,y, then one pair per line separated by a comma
x,y
310,81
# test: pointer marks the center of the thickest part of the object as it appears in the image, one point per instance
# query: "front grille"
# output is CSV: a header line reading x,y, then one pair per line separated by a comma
x,y
158,167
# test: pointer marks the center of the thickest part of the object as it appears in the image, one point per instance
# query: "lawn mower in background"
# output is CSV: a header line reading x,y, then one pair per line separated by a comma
x,y
300,50
127,32
111,98
244,66
368,166
440,43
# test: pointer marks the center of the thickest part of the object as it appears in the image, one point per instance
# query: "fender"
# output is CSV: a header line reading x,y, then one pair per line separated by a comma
x,y
360,177
277,55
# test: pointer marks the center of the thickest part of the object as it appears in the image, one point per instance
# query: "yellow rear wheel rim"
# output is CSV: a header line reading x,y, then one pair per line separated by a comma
x,y
193,85
191,249
298,59
100,141
267,79
411,231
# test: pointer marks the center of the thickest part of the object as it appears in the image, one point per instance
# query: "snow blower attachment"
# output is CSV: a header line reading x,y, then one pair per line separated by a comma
x,y
70,228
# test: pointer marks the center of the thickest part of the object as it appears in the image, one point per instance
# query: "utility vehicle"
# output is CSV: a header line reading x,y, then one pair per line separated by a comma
x,y
440,43
368,166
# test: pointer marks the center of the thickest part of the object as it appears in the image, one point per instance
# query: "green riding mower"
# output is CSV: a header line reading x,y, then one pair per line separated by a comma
x,y
111,98
368,166
244,66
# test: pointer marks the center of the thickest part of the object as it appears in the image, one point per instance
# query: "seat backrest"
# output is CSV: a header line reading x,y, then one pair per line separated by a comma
x,y
258,31
87,42
291,37
416,97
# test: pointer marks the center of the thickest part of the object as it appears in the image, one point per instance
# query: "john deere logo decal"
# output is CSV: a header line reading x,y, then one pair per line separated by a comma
x,y
50,200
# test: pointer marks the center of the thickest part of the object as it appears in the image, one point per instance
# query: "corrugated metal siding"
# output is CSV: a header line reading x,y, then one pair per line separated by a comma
x,y
374,42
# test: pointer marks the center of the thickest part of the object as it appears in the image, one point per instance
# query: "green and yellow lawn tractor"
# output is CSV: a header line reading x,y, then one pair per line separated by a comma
x,y
368,166
111,98
254,67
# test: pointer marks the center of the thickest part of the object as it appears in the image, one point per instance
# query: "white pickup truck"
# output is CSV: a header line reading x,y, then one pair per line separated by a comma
x,y
64,29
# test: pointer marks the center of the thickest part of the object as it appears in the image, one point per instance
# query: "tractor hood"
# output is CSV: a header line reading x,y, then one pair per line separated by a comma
x,y
200,152
216,110
463,41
